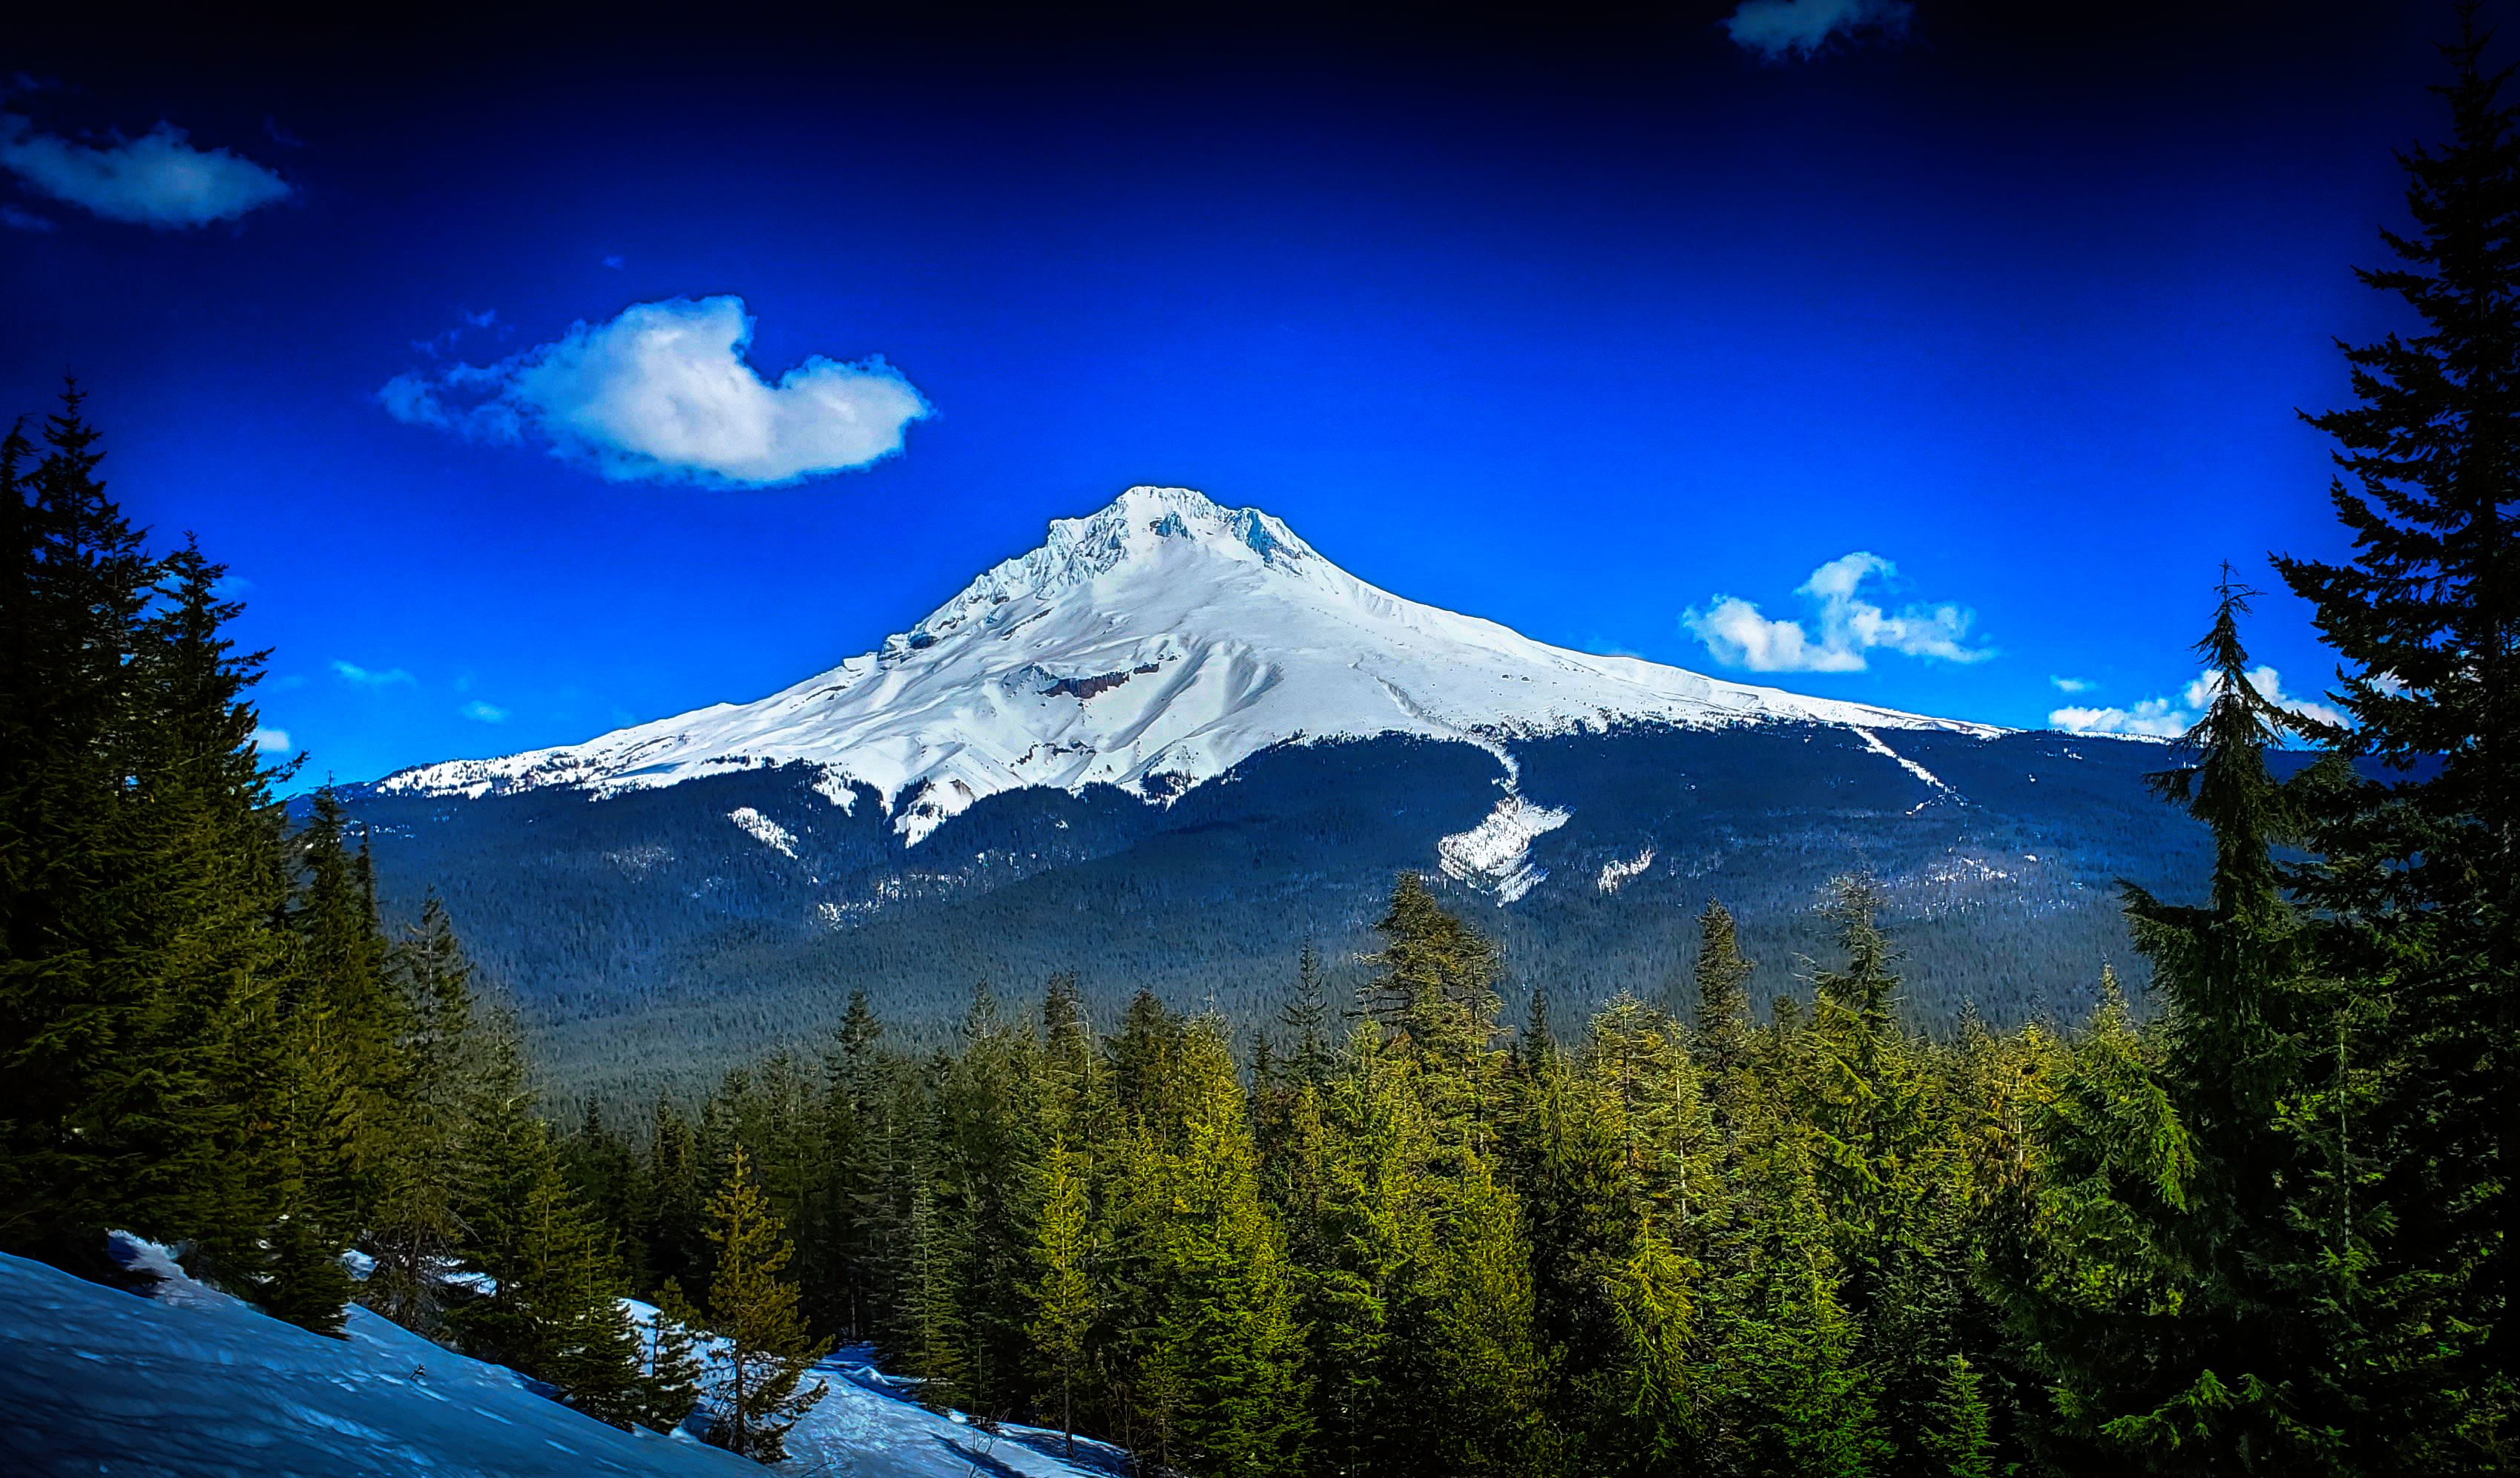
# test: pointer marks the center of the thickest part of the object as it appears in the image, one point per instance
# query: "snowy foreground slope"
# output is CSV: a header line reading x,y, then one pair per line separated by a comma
x,y
1151,646
190,1381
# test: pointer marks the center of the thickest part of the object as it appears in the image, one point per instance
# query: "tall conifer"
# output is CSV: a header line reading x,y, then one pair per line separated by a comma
x,y
759,1392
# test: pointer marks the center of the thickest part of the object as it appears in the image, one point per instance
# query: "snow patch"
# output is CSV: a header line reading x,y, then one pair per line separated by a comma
x,y
833,785
1615,873
1872,742
1497,852
764,830
189,1381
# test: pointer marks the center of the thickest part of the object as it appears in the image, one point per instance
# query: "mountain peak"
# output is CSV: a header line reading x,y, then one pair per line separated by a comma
x,y
1152,644
1143,525
1182,513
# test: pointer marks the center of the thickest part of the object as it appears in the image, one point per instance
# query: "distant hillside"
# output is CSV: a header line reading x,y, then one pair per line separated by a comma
x,y
661,934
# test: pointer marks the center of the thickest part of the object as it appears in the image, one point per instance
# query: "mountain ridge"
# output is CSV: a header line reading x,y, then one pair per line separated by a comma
x,y
1152,645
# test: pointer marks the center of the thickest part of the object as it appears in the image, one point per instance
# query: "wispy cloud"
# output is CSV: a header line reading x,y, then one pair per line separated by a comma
x,y
17,219
156,179
270,740
1846,626
2073,685
662,394
483,713
1780,29
367,677
2170,717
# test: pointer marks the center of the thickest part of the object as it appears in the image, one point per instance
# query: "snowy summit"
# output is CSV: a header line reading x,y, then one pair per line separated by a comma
x,y
1152,645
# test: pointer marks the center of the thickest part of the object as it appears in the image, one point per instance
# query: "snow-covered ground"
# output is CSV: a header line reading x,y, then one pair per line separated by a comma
x,y
870,1425
1152,645
191,1383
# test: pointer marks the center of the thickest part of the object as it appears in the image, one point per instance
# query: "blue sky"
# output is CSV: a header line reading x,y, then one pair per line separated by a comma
x,y
1632,341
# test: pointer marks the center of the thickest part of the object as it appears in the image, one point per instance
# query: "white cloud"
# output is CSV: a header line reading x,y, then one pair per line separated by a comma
x,y
2073,685
1847,625
270,740
365,677
156,179
1780,28
484,713
662,394
25,220
2170,717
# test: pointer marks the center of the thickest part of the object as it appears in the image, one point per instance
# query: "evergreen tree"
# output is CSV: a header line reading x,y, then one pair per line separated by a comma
x,y
1064,1295
671,1218
553,1307
74,994
1723,979
756,1398
2420,846
987,1145
418,1224
933,1341
670,1367
1434,990
1307,1019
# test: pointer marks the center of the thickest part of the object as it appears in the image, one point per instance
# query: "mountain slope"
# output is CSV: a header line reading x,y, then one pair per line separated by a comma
x,y
1175,745
1151,646
190,1381
184,1381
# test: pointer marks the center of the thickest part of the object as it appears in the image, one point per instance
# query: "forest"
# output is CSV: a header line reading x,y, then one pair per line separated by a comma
x,y
2256,1224
651,943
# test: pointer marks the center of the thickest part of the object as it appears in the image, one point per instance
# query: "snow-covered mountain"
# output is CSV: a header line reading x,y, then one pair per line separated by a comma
x,y
1151,646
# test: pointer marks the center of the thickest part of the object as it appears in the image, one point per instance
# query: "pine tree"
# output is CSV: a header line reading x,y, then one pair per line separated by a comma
x,y
1064,1295
418,1224
1307,1019
1434,989
1958,1439
2420,866
1723,979
2173,1285
768,1353
554,1306
987,1143
868,1132
1228,1350
71,873
672,1219
670,1368
1653,1295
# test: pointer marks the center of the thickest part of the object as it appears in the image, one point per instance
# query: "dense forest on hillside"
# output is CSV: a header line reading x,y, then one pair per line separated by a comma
x,y
2257,1225
608,915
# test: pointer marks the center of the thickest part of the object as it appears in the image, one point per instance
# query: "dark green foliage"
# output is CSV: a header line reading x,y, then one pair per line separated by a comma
x,y
2416,849
138,877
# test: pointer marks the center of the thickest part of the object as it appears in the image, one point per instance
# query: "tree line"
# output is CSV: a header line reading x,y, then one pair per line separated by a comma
x,y
2261,1228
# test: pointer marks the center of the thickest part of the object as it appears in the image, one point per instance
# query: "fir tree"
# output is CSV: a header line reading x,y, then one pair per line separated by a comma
x,y
1064,1295
72,996
1723,980
670,1367
1228,1350
1307,1019
757,1396
1434,989
2420,862
418,1224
